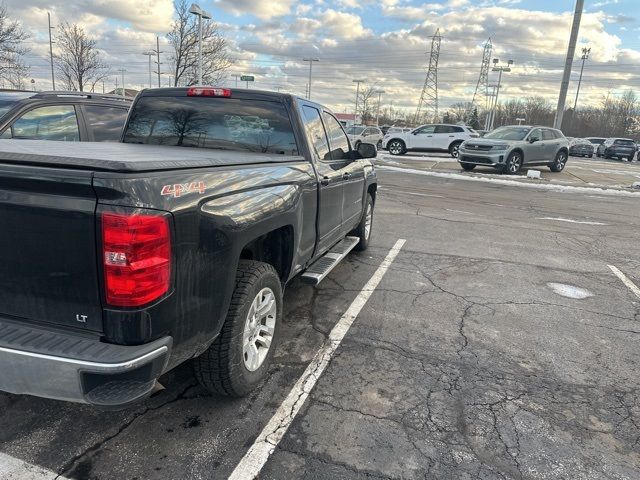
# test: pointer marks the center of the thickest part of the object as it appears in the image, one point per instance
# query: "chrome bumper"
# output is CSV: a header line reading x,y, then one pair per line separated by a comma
x,y
45,363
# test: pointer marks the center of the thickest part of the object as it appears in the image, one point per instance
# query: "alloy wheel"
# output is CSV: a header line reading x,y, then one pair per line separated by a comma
x,y
259,329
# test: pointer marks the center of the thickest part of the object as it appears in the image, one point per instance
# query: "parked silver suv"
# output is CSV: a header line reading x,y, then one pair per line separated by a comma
x,y
508,149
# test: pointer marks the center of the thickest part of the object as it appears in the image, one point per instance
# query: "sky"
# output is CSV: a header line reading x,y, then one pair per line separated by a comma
x,y
384,42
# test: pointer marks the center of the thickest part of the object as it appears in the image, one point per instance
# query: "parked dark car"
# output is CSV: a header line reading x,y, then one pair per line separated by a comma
x,y
620,148
62,116
120,261
581,147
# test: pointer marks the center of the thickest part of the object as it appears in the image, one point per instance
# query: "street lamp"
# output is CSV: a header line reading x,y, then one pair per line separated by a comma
x,y
520,120
499,68
379,92
357,82
149,53
196,10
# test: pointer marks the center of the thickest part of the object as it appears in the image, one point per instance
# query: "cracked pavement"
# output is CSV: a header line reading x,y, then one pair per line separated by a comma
x,y
464,363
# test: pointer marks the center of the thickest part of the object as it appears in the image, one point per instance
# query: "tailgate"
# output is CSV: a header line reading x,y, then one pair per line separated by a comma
x,y
48,266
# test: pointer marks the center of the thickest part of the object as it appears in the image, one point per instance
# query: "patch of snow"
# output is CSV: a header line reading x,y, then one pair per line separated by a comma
x,y
602,190
570,291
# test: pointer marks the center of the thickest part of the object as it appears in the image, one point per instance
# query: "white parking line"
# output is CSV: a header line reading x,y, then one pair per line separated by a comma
x,y
632,286
12,468
256,457
568,220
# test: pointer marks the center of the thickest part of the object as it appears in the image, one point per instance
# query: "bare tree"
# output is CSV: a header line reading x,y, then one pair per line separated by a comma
x,y
367,101
79,62
183,39
12,67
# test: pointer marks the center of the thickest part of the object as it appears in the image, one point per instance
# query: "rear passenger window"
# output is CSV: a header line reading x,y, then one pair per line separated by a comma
x,y
445,129
337,138
106,123
54,122
548,134
315,132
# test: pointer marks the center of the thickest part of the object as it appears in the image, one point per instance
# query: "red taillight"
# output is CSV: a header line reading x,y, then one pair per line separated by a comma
x,y
208,92
137,258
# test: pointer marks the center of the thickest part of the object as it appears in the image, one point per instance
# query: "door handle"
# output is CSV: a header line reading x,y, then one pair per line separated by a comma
x,y
451,136
346,176
325,181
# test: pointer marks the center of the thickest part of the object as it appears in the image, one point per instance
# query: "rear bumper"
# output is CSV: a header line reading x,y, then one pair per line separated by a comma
x,y
44,363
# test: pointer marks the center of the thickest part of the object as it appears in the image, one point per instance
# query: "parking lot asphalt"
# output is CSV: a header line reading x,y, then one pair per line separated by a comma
x,y
499,344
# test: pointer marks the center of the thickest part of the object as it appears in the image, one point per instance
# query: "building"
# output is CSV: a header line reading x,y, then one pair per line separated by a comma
x,y
348,119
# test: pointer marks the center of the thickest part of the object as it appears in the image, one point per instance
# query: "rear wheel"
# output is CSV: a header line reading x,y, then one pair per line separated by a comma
x,y
238,360
363,230
467,166
513,163
379,145
559,162
396,147
454,149
591,155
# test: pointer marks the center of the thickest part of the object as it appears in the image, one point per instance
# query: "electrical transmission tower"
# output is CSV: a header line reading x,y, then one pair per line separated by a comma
x,y
428,105
481,95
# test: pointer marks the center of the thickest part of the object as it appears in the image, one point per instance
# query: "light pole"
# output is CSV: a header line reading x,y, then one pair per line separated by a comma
x,y
196,10
357,82
149,53
379,92
585,56
124,93
53,77
571,52
310,60
500,69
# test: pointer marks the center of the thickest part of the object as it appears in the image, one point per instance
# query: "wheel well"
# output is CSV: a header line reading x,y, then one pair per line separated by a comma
x,y
397,140
274,248
373,188
454,142
519,151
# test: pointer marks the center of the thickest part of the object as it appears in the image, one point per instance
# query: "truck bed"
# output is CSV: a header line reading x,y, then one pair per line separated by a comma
x,y
124,157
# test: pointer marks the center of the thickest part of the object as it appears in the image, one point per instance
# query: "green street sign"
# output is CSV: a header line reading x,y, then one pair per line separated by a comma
x,y
247,78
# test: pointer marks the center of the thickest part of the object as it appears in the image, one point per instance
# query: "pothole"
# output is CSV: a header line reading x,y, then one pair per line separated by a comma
x,y
570,291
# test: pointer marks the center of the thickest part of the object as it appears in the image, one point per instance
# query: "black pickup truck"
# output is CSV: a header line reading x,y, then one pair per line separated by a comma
x,y
120,261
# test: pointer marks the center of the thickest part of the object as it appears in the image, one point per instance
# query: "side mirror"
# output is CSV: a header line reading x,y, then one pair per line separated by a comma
x,y
533,139
367,150
414,133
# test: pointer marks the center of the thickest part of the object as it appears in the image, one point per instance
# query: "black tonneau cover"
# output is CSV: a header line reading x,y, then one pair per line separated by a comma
x,y
126,157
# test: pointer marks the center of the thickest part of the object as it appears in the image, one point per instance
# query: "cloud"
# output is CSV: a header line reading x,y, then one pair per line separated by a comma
x,y
343,25
262,9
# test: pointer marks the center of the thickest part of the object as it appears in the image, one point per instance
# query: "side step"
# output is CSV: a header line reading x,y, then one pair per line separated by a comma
x,y
321,267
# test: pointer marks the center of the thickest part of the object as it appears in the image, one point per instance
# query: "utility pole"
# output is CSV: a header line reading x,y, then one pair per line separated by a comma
x,y
158,63
53,77
500,69
429,96
310,60
571,51
149,53
122,70
379,92
482,87
196,10
236,77
585,56
357,82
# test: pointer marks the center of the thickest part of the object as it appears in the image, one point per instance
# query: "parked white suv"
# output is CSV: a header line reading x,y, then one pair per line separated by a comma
x,y
362,134
429,138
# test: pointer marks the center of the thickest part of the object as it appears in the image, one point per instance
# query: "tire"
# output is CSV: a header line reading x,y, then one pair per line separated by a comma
x,y
364,228
396,147
454,149
356,145
513,164
379,145
591,155
559,162
223,367
467,166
